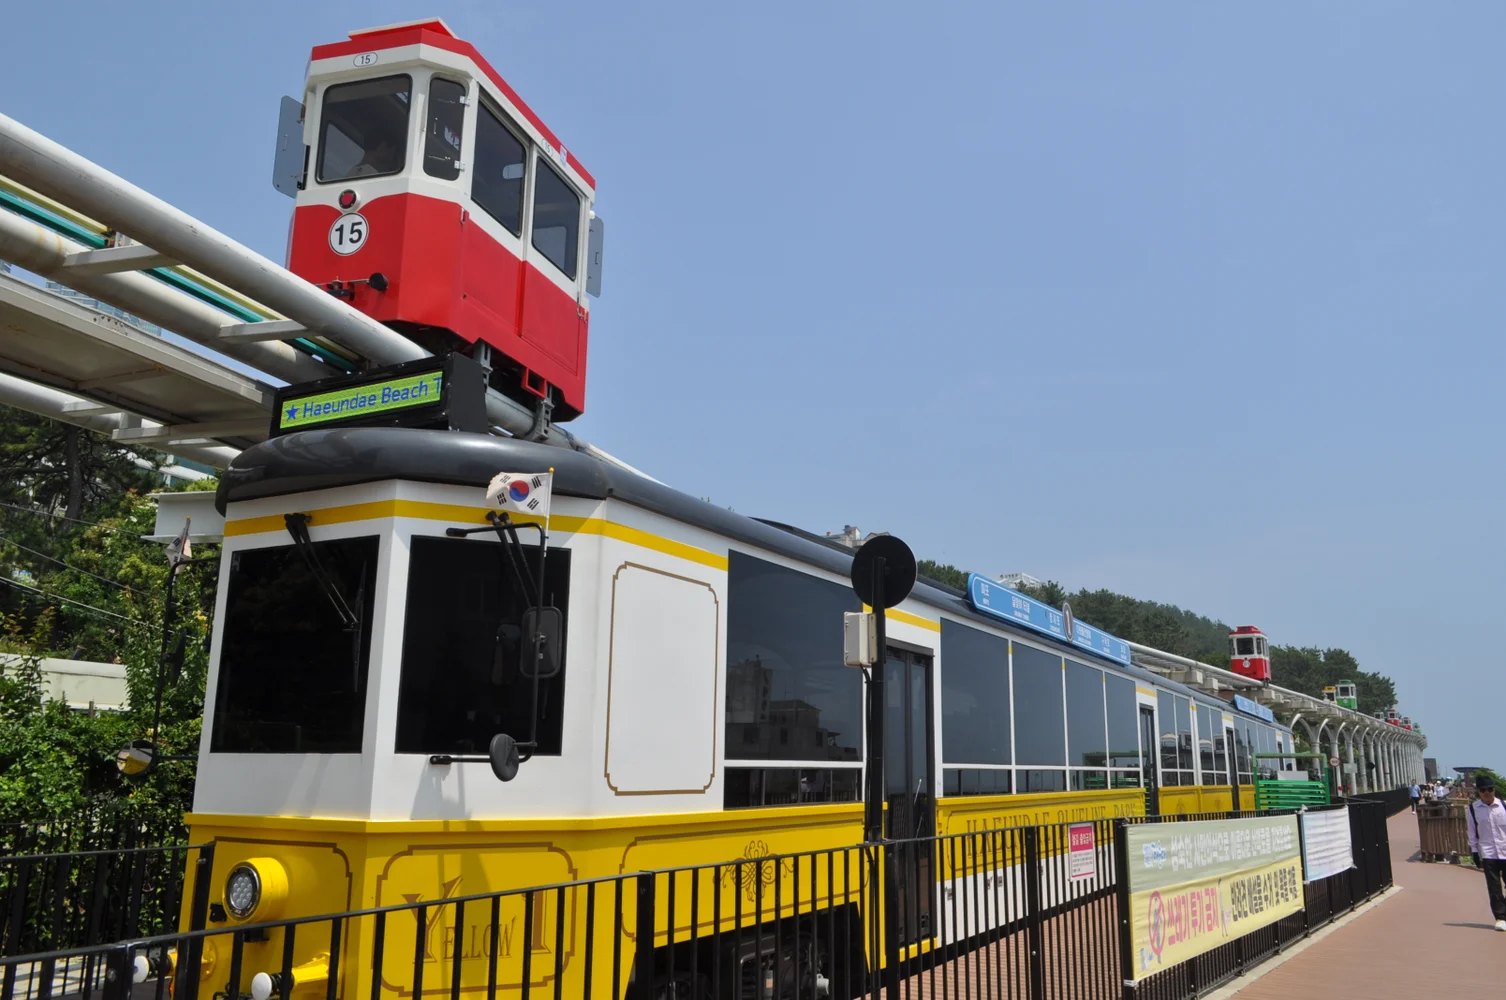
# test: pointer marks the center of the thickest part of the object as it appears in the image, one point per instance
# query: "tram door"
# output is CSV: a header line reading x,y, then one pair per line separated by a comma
x,y
909,778
1150,746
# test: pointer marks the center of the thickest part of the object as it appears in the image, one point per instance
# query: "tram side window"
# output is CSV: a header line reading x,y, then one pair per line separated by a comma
x,y
1039,716
974,696
788,695
459,686
446,125
291,679
1124,732
1266,737
501,161
363,130
1176,740
1244,746
556,218
1211,746
1085,722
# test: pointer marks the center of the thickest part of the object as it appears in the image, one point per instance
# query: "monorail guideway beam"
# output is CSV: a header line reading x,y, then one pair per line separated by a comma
x,y
31,159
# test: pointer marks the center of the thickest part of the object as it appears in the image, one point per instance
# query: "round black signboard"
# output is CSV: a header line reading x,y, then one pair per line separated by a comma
x,y
899,571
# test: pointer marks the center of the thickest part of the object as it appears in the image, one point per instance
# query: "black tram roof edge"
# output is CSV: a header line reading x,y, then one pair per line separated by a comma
x,y
347,456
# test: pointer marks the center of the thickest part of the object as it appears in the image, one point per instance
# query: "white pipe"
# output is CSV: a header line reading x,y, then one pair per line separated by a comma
x,y
29,245
38,162
48,402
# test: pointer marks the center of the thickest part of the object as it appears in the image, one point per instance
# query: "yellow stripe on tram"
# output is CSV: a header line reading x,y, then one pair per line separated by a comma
x,y
459,514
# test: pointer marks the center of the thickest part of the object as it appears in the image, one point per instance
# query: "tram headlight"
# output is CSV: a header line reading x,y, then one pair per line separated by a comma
x,y
242,890
257,886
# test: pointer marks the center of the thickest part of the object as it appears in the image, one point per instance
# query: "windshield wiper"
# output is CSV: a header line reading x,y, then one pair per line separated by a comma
x,y
298,528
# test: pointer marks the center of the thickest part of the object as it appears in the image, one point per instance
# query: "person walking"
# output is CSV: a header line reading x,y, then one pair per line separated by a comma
x,y
1416,796
1487,843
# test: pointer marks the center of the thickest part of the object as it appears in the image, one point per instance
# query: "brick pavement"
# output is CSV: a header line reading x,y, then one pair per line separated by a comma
x,y
1434,938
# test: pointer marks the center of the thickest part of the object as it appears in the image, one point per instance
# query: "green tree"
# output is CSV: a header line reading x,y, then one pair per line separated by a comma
x,y
942,573
89,579
61,467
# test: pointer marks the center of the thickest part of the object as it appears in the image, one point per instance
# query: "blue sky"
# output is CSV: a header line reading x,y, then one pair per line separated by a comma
x,y
1191,303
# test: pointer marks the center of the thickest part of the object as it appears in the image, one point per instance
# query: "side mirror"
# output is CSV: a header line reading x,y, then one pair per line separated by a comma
x,y
549,624
596,234
503,753
136,758
290,162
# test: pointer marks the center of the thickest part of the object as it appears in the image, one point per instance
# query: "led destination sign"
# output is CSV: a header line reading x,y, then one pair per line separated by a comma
x,y
445,393
361,401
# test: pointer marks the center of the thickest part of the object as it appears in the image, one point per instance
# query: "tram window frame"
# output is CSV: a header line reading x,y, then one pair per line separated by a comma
x,y
976,716
481,170
1243,747
261,684
1087,721
751,787
795,616
1034,780
1123,709
961,781
454,627
1040,708
570,253
1244,645
328,121
1214,760
446,168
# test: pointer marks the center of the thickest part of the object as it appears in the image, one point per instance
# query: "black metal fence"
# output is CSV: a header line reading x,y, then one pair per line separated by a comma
x,y
1018,912
51,902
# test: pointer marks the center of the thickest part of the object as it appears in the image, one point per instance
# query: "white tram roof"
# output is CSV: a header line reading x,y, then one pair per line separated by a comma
x,y
431,41
325,459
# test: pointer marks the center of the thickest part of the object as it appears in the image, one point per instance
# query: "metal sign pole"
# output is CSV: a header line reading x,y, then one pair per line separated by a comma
x,y
874,797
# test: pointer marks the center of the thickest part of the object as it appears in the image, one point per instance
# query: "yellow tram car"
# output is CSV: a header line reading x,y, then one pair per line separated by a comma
x,y
693,707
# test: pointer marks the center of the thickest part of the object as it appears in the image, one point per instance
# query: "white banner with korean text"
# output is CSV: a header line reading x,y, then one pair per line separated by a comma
x,y
1326,849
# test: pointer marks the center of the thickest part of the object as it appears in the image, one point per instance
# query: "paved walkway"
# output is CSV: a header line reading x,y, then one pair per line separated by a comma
x,y
1432,938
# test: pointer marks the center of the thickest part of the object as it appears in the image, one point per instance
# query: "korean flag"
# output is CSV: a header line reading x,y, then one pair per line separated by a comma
x,y
521,492
180,549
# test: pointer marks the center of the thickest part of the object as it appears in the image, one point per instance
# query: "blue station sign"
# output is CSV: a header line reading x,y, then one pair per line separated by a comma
x,y
1255,708
998,601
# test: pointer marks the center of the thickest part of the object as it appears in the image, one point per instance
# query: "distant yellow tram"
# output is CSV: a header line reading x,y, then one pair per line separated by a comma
x,y
666,678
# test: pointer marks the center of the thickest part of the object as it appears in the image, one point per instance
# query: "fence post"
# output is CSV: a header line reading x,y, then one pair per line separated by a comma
x,y
118,974
190,957
1122,908
643,961
891,920
1033,921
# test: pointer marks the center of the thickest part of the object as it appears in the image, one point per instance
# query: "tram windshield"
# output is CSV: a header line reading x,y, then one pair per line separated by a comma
x,y
1244,646
363,130
291,678
461,686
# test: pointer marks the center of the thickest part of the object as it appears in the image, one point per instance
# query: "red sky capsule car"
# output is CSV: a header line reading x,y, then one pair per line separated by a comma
x,y
434,200
1249,654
